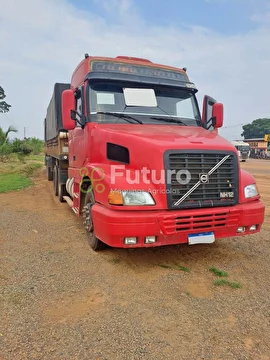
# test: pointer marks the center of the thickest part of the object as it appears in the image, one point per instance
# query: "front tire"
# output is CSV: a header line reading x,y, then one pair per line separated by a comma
x,y
93,241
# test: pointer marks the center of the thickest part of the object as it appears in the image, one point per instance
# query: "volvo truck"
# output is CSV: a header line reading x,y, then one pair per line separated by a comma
x,y
243,150
129,150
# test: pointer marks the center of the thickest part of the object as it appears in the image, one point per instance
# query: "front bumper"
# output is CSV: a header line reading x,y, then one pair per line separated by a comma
x,y
173,227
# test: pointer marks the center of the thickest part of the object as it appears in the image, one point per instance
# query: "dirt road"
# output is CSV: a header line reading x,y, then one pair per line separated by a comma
x,y
60,300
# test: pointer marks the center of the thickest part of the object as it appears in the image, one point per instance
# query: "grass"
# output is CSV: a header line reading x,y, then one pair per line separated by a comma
x,y
176,267
10,182
30,169
235,285
183,268
218,272
165,266
36,158
15,175
223,282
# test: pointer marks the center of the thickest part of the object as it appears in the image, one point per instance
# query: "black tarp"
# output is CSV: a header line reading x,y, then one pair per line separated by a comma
x,y
53,122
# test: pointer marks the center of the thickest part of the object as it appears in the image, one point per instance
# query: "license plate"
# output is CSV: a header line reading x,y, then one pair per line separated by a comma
x,y
201,238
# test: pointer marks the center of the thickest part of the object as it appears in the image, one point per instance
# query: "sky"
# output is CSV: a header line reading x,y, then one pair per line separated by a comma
x,y
225,45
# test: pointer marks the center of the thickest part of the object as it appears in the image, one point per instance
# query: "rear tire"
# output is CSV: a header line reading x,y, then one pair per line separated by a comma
x,y
49,173
61,190
55,180
93,241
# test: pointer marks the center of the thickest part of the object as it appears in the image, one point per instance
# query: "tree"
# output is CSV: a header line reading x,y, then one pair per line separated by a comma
x,y
257,129
4,134
21,147
4,107
36,145
5,146
28,146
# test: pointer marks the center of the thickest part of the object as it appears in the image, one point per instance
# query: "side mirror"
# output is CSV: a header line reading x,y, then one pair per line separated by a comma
x,y
217,115
68,106
212,114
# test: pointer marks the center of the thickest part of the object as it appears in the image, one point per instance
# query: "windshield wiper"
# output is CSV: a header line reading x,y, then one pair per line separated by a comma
x,y
121,116
168,119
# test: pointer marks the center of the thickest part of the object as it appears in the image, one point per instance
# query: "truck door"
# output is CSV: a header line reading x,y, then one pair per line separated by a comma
x,y
76,141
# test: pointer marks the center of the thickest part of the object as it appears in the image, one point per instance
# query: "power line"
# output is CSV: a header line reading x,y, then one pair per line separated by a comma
x,y
233,126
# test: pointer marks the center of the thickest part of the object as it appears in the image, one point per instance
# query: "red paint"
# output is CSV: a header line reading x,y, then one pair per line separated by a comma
x,y
147,144
112,227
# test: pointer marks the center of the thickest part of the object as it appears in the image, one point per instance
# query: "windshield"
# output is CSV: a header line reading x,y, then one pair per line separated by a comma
x,y
243,148
151,104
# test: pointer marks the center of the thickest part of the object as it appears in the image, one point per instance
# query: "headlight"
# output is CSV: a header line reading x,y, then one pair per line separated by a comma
x,y
251,191
130,198
137,198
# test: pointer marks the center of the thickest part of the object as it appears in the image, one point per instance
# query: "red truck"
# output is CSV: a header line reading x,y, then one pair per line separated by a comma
x,y
129,151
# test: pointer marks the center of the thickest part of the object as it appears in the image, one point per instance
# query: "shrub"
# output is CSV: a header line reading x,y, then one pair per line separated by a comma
x,y
5,152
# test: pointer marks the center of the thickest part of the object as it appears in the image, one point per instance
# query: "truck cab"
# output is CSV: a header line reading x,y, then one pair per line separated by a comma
x,y
243,150
146,168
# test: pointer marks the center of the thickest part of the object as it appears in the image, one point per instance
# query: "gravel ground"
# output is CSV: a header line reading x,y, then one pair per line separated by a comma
x,y
60,300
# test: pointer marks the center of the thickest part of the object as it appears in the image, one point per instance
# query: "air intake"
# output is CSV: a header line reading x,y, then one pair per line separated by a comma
x,y
117,153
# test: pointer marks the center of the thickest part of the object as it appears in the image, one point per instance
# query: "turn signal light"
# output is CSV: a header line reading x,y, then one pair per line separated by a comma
x,y
115,198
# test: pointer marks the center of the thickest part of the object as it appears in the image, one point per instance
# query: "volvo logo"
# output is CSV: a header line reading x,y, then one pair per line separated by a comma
x,y
204,178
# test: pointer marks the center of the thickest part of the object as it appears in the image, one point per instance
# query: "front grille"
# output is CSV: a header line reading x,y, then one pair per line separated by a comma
x,y
186,172
172,224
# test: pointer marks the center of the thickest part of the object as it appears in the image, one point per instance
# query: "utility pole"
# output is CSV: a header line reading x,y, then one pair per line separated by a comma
x,y
24,133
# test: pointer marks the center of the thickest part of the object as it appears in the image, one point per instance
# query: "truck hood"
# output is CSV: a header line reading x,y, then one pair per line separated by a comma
x,y
164,137
146,147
